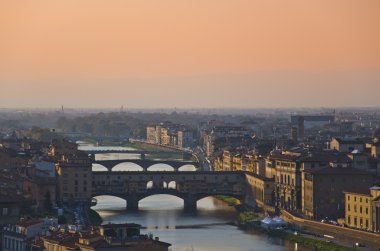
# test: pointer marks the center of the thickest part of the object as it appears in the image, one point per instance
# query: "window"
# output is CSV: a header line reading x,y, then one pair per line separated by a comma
x,y
360,199
366,210
5,211
348,208
348,197
355,221
355,198
349,220
366,223
355,209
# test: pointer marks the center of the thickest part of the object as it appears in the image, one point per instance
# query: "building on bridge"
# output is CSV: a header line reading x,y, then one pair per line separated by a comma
x,y
189,186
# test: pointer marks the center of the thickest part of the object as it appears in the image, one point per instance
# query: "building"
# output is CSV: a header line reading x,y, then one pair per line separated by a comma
x,y
287,180
62,147
227,160
10,205
151,135
362,209
262,190
323,187
74,178
375,149
108,237
16,237
170,134
301,123
222,136
347,144
185,138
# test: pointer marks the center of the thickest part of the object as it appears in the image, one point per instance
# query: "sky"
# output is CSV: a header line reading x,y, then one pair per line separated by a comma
x,y
189,53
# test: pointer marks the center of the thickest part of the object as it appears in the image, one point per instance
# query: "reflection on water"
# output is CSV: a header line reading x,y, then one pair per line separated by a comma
x,y
207,229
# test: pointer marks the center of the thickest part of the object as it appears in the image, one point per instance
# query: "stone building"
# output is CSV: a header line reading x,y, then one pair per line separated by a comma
x,y
322,189
74,178
362,208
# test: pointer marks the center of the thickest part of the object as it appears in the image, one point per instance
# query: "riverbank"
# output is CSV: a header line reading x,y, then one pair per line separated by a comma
x,y
249,219
245,213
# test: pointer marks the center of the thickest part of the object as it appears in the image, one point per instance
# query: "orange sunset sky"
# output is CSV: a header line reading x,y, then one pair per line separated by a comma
x,y
189,53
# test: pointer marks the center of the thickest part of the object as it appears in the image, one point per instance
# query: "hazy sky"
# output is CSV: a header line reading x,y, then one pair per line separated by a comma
x,y
189,53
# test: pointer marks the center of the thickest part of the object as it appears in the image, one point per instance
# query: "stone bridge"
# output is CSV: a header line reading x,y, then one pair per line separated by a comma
x,y
189,186
185,154
144,163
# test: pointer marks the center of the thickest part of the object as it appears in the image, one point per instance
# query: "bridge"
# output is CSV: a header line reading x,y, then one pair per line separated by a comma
x,y
189,186
145,163
142,153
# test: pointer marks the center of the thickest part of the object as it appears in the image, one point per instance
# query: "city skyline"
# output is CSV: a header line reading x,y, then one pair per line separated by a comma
x,y
147,54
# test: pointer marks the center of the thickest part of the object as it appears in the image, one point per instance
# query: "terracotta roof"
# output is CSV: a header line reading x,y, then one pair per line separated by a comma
x,y
337,170
350,140
28,223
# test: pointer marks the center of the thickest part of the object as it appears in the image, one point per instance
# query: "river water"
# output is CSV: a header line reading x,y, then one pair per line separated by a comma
x,y
163,216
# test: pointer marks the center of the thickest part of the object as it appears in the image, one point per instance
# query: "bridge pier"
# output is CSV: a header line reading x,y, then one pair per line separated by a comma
x,y
190,203
142,156
132,203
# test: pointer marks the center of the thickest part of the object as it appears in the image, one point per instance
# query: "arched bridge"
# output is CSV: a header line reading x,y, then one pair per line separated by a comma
x,y
190,186
185,154
145,163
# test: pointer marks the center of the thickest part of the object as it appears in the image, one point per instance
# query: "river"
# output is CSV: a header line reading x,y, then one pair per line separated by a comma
x,y
163,216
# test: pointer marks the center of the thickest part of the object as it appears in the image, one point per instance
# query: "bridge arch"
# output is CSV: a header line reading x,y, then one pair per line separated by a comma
x,y
187,168
172,184
160,167
98,168
127,167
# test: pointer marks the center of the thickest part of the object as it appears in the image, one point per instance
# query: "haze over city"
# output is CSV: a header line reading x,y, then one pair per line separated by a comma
x,y
144,54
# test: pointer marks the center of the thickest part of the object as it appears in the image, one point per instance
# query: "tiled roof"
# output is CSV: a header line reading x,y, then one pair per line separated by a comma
x,y
30,222
337,170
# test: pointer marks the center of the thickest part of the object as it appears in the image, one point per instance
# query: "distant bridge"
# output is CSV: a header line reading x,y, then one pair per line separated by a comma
x,y
189,186
142,153
145,163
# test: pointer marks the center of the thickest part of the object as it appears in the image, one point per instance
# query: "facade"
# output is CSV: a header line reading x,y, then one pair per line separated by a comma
x,y
322,190
227,160
222,136
110,237
362,209
287,181
74,176
262,190
15,237
375,149
151,136
10,205
347,144
169,134
62,147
